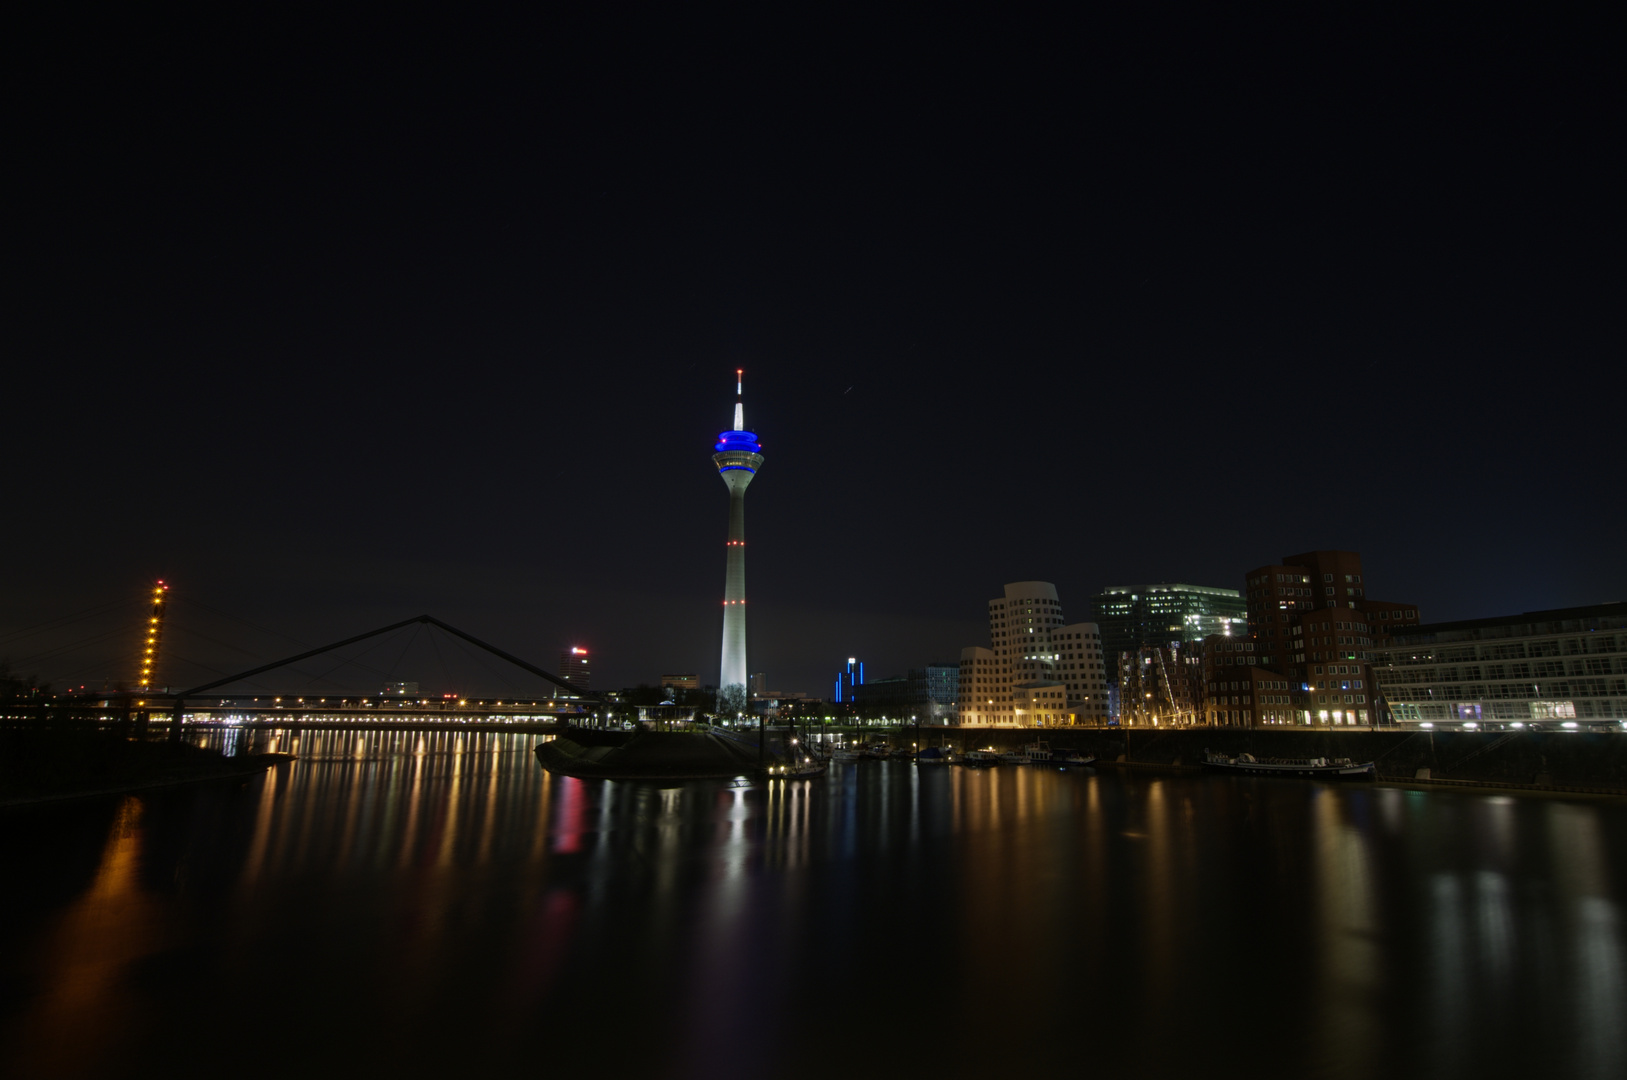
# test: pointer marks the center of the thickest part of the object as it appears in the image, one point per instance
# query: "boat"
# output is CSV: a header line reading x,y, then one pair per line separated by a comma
x,y
1069,756
1038,753
979,759
649,756
876,752
805,769
1014,757
935,755
1327,768
843,756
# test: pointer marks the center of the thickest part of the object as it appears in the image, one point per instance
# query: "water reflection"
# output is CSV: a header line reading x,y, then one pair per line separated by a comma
x,y
81,957
409,890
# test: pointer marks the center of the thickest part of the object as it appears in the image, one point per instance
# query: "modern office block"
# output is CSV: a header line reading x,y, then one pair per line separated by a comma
x,y
848,680
1564,669
1134,617
575,669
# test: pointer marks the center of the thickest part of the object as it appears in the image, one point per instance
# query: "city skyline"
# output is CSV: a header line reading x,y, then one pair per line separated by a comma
x,y
362,644
331,346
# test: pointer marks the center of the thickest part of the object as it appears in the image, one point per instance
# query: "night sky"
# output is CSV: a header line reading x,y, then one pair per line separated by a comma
x,y
334,322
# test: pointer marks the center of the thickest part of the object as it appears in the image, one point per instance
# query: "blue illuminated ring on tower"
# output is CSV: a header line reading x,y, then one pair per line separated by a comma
x,y
739,442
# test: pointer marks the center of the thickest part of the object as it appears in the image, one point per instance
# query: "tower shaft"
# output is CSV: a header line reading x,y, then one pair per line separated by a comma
x,y
738,457
734,595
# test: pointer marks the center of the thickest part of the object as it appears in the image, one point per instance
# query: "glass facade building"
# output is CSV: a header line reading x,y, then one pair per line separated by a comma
x,y
1563,669
926,695
1136,617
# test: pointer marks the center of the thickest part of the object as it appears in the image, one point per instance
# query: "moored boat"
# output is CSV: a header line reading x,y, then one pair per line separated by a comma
x,y
980,759
1326,768
935,755
805,769
1069,756
1014,757
1038,753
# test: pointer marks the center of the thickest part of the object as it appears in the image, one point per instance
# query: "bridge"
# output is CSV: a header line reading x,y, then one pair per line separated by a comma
x,y
214,705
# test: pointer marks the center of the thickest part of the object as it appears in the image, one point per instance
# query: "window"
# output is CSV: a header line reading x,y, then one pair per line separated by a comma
x,y
1327,577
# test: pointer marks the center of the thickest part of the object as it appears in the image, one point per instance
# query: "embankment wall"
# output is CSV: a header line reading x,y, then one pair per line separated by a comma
x,y
1582,760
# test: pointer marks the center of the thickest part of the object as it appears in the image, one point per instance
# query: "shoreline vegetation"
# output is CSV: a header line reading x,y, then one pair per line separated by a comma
x,y
62,762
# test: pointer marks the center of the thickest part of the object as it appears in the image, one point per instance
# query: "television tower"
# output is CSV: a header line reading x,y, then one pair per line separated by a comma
x,y
738,459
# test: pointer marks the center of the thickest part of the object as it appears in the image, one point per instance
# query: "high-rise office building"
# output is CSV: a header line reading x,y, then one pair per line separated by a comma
x,y
1039,669
738,456
848,679
575,669
1136,617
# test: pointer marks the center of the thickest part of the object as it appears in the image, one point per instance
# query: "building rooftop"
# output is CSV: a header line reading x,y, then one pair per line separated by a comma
x,y
1169,586
1608,616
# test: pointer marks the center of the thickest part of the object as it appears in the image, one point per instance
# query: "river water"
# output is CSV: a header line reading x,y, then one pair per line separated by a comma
x,y
439,905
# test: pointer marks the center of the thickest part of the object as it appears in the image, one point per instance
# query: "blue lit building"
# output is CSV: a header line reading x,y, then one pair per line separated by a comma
x,y
848,678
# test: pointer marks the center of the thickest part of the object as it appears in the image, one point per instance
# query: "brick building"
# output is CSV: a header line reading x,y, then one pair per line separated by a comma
x,y
1311,627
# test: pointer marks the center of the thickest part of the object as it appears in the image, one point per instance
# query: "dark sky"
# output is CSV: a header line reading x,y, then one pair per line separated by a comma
x,y
333,322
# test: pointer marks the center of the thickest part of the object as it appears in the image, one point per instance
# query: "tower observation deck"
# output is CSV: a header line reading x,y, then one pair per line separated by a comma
x,y
738,457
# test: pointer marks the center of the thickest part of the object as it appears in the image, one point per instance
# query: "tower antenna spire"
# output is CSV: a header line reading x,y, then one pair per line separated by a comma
x,y
740,403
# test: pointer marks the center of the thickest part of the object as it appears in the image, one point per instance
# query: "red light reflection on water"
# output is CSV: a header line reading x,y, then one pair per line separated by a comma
x,y
572,808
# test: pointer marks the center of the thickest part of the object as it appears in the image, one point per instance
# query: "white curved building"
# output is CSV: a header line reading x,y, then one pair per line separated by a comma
x,y
1039,669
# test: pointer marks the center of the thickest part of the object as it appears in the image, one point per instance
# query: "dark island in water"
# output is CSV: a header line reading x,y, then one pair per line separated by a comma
x,y
696,753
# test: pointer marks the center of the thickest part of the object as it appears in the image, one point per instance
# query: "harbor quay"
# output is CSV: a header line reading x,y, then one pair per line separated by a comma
x,y
1577,761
